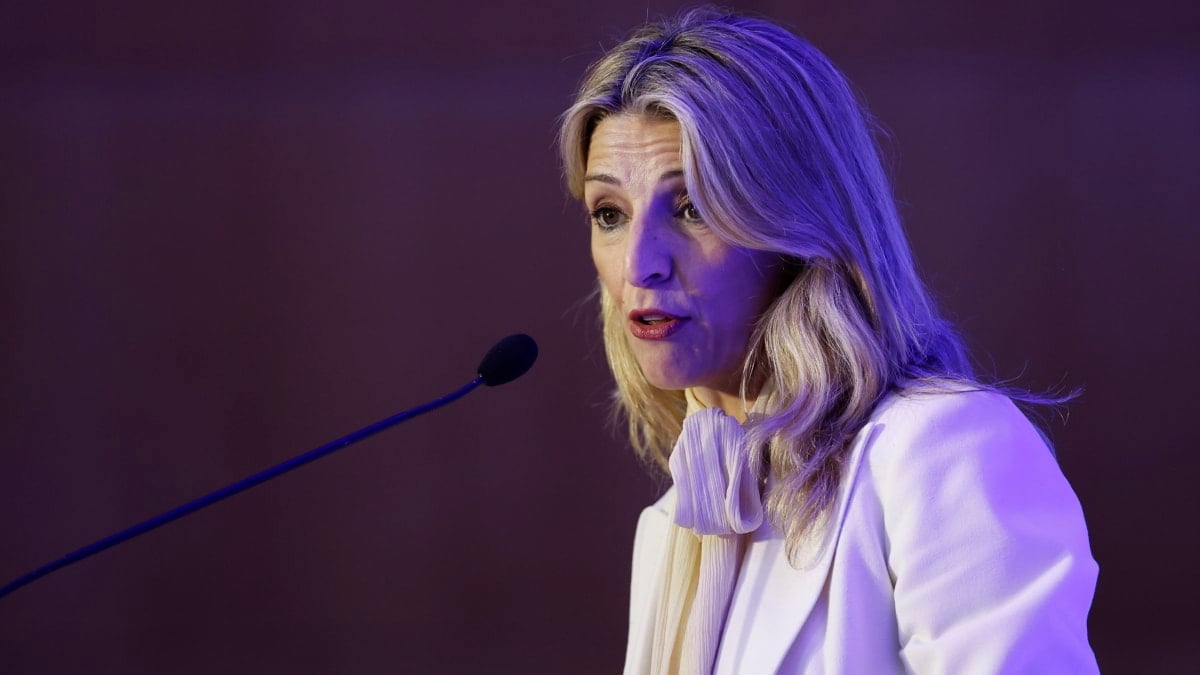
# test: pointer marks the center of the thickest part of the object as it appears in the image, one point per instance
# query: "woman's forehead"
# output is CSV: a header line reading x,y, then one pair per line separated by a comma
x,y
628,148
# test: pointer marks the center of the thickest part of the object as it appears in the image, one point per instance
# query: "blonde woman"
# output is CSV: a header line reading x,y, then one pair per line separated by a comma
x,y
847,496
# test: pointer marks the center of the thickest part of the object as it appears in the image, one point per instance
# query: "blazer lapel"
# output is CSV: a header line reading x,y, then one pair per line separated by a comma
x,y
772,599
648,553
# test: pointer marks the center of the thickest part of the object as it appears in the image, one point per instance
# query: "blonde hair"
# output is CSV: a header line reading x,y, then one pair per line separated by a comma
x,y
778,156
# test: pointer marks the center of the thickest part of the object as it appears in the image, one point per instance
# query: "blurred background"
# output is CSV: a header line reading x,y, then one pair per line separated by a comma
x,y
232,231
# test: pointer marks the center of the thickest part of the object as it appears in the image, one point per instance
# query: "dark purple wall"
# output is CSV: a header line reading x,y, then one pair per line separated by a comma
x,y
230,233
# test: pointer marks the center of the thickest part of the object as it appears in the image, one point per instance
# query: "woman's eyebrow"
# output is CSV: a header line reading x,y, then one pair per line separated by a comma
x,y
613,180
601,178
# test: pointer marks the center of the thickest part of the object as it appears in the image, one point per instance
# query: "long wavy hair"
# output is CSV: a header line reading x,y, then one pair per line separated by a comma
x,y
778,155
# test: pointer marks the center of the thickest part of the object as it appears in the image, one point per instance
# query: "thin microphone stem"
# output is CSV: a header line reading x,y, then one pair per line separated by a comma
x,y
234,488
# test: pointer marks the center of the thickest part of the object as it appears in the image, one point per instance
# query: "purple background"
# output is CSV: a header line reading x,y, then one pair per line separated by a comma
x,y
232,232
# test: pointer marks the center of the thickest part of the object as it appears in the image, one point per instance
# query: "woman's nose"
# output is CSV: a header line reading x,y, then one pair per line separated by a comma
x,y
648,258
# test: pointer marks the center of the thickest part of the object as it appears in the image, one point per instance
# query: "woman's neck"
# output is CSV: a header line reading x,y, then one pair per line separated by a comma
x,y
731,403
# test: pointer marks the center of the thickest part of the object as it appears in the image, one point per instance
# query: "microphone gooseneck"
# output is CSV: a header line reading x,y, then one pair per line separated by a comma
x,y
506,361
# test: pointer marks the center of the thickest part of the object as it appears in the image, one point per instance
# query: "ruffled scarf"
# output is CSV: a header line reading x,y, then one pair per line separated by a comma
x,y
719,500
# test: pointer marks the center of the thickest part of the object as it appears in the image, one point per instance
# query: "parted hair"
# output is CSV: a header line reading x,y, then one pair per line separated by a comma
x,y
778,155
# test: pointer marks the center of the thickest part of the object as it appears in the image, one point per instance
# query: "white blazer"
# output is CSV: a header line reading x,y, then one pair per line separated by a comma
x,y
956,546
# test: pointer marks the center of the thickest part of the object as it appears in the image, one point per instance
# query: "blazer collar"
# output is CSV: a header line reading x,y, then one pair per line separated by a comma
x,y
649,553
773,600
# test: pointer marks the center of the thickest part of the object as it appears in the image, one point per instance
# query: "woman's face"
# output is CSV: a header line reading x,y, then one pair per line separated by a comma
x,y
689,300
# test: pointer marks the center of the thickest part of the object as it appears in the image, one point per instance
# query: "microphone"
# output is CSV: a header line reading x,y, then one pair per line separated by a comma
x,y
507,360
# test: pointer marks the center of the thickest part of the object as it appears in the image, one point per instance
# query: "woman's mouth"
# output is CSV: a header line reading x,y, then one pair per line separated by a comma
x,y
652,324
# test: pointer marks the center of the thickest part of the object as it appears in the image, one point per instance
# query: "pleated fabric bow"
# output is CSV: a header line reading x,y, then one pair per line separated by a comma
x,y
719,500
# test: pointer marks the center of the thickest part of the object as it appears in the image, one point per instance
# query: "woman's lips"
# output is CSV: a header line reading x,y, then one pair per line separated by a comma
x,y
652,324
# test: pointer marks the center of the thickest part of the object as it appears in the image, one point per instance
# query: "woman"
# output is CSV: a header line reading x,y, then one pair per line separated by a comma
x,y
848,497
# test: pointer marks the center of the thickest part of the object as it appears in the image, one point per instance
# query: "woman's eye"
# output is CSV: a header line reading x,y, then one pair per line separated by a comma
x,y
689,212
606,218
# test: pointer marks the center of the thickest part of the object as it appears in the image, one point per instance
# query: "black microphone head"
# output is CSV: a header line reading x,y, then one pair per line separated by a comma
x,y
509,359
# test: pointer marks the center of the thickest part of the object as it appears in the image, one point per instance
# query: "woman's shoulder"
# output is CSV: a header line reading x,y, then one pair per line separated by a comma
x,y
952,408
937,403
952,428
962,493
